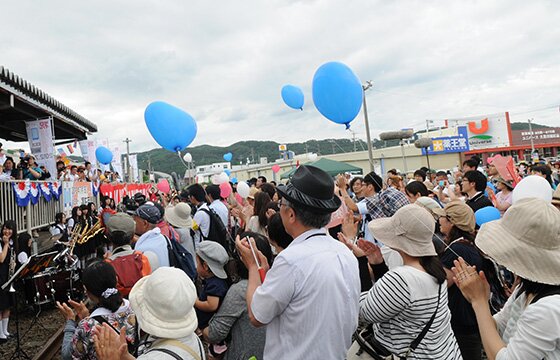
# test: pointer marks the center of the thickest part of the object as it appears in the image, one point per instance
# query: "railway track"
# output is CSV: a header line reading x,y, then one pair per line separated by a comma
x,y
52,347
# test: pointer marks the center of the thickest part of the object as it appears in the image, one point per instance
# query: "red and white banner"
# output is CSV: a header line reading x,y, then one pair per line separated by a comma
x,y
118,191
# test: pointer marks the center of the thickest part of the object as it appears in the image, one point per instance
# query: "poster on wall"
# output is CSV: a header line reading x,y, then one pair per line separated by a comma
x,y
76,194
40,136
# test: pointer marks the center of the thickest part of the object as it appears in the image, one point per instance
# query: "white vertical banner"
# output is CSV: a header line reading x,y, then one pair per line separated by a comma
x,y
134,166
40,136
117,161
103,142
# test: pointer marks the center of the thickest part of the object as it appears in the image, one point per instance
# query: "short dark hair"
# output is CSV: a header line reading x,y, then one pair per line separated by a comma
x,y
73,167
87,163
441,173
269,189
373,179
478,178
214,192
58,218
393,172
416,187
262,178
420,173
198,192
277,232
98,277
353,181
262,245
119,238
473,162
308,217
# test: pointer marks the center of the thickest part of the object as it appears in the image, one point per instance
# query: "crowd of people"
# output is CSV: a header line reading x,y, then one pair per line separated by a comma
x,y
27,168
355,267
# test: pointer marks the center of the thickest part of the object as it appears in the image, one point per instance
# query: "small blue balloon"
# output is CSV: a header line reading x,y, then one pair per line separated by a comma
x,y
228,172
172,128
103,155
293,97
233,180
337,93
228,156
486,214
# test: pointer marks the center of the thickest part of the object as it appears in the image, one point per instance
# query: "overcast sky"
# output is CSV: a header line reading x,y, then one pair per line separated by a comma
x,y
225,62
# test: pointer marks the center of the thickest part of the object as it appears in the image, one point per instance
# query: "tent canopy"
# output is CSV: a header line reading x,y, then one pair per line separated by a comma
x,y
329,166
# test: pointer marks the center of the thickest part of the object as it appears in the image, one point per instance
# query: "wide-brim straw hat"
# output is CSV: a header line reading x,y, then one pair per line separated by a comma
x,y
507,183
526,240
164,303
179,215
410,230
459,214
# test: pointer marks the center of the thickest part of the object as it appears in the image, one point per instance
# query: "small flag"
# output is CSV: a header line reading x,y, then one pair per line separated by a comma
x,y
70,148
61,152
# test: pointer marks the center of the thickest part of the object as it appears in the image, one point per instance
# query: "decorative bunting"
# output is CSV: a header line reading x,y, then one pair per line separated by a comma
x,y
56,189
34,192
46,191
95,187
21,191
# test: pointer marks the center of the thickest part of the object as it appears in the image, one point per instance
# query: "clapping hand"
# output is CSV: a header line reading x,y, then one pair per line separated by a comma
x,y
350,244
372,251
350,225
473,285
109,345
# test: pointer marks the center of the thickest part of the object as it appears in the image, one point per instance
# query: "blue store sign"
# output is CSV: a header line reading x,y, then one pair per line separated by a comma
x,y
449,144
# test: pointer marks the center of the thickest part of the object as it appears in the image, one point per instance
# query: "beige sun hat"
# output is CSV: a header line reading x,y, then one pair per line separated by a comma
x,y
409,230
164,303
460,214
179,215
526,240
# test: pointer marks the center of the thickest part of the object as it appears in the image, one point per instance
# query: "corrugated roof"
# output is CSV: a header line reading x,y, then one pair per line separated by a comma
x,y
33,93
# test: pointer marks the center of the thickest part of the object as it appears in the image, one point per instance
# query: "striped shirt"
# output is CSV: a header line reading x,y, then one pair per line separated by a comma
x,y
400,304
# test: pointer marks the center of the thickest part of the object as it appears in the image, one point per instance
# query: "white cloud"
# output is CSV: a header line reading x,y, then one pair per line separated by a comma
x,y
225,62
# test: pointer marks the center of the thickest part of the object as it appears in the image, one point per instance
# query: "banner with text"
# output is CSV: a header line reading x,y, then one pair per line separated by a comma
x,y
40,136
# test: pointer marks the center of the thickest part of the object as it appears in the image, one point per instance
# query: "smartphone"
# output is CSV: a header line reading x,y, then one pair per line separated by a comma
x,y
441,183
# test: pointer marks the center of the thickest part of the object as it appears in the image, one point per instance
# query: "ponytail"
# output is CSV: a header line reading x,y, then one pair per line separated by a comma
x,y
433,266
100,279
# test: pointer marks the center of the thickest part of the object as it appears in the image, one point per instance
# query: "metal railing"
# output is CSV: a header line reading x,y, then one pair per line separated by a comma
x,y
32,216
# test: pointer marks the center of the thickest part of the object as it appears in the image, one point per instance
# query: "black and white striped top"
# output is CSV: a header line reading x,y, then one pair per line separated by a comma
x,y
400,304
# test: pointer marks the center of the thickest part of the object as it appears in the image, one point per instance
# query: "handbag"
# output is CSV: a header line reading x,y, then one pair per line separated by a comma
x,y
370,345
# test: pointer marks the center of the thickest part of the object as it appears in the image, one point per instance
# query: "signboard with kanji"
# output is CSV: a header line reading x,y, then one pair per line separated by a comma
x,y
450,144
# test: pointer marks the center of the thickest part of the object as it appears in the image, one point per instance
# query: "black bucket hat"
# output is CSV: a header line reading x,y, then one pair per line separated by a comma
x,y
311,188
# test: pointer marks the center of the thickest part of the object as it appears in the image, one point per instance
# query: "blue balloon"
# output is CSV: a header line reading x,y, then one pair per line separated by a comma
x,y
293,97
486,214
228,172
172,128
337,93
228,156
103,155
233,180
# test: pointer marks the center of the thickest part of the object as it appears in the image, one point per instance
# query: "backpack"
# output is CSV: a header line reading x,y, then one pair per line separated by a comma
x,y
217,231
130,268
180,258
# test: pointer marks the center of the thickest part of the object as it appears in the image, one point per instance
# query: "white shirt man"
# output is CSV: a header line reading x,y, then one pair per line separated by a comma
x,y
220,209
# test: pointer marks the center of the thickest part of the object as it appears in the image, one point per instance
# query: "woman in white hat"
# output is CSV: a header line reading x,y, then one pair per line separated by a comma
x,y
164,306
527,242
407,306
179,216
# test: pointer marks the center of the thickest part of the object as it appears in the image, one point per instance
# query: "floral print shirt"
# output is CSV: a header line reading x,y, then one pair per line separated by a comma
x,y
82,346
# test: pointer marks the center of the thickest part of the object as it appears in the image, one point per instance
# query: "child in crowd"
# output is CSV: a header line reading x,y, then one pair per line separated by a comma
x,y
211,258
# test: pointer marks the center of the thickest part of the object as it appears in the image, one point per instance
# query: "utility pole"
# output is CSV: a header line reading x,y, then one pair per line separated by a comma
x,y
128,172
531,132
365,87
306,147
332,143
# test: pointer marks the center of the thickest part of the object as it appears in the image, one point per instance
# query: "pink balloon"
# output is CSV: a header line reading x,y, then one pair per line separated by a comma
x,y
275,168
163,186
225,190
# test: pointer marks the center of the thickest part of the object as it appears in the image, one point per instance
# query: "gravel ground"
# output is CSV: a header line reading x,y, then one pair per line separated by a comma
x,y
35,331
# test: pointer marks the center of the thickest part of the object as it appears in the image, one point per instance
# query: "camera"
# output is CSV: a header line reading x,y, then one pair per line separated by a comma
x,y
24,162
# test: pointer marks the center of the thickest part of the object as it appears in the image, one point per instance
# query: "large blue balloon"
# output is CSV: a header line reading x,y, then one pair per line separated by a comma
x,y
228,172
337,93
170,127
486,214
228,156
293,97
234,180
103,155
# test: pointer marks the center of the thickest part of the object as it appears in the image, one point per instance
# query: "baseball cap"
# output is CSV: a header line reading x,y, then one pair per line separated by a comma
x,y
149,212
121,222
215,256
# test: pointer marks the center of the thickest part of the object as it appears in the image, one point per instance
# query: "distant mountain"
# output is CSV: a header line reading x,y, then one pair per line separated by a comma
x,y
165,161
